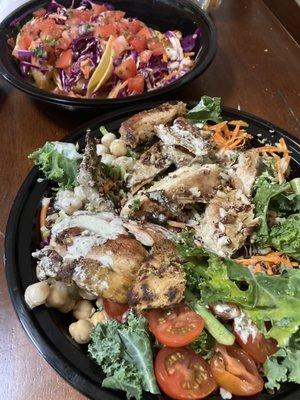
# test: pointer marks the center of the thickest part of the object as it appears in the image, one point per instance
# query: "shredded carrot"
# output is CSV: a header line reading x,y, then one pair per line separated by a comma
x,y
227,139
176,224
282,164
44,210
268,262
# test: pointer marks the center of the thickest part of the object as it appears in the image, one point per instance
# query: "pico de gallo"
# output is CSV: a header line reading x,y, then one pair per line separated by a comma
x,y
95,51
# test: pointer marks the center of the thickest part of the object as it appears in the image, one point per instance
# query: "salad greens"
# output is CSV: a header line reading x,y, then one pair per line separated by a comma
x,y
124,353
286,236
282,366
59,162
208,109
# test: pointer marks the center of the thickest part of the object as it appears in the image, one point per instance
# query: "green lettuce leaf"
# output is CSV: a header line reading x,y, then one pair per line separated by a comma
x,y
208,109
59,162
285,237
265,191
264,298
283,366
124,353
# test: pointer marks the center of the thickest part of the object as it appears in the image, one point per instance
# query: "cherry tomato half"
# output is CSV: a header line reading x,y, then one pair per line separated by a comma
x,y
115,310
176,326
182,374
235,371
258,347
126,70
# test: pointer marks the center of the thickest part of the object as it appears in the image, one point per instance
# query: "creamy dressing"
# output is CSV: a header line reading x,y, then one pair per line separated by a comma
x,y
67,201
68,150
225,394
245,328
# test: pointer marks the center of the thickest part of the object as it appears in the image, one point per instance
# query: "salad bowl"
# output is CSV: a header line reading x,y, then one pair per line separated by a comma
x,y
47,328
186,16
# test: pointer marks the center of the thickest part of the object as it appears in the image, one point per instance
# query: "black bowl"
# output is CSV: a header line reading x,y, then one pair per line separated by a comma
x,y
46,327
183,15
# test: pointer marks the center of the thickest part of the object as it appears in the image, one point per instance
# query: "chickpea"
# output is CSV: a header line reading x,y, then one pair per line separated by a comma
x,y
68,306
99,303
118,148
83,309
81,330
36,294
101,149
58,295
107,139
99,317
107,159
86,295
125,162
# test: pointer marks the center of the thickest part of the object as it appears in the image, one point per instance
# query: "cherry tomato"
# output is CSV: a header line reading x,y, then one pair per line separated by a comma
x,y
115,310
235,371
65,59
139,44
126,70
25,41
156,47
175,327
136,84
258,347
182,374
105,31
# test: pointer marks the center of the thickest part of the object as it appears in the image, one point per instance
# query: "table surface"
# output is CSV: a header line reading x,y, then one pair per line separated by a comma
x,y
257,68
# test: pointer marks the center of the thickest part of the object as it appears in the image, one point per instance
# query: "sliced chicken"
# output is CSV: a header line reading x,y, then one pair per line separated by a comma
x,y
140,128
50,265
160,281
110,270
152,162
91,180
184,134
246,171
228,221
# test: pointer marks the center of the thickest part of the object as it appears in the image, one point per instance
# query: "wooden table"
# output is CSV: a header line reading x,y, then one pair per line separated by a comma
x,y
257,68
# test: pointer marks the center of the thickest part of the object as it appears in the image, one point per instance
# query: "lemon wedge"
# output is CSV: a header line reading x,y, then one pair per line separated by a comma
x,y
103,71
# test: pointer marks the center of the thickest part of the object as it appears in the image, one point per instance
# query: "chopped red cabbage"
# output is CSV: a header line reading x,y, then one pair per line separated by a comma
x,y
191,42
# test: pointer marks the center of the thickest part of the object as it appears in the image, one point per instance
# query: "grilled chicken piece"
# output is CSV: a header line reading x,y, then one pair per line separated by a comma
x,y
50,265
189,184
246,171
154,161
91,180
228,221
151,163
140,128
186,135
160,281
110,270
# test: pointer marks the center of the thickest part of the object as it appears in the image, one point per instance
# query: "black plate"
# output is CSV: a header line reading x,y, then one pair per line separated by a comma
x,y
48,328
183,15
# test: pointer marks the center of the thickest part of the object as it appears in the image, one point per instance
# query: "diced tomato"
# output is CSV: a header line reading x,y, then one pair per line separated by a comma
x,y
122,27
119,45
115,310
145,56
156,47
139,44
235,371
98,8
63,43
126,70
182,374
135,26
25,41
136,84
48,27
145,32
83,15
176,326
65,59
105,31
114,16
40,12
